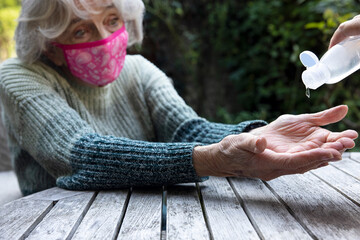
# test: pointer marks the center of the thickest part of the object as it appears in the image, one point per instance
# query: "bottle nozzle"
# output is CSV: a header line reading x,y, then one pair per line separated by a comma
x,y
315,76
308,59
316,73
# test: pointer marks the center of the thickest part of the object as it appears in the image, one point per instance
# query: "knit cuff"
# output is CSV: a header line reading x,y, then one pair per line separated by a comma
x,y
247,126
105,162
200,130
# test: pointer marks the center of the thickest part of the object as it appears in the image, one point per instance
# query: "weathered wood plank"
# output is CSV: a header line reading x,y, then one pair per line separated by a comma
x,y
20,217
224,212
346,155
349,166
64,218
185,219
54,194
103,218
270,216
355,156
343,182
143,215
324,211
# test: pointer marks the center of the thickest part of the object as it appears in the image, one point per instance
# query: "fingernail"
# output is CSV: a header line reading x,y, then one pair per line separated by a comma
x,y
327,158
336,158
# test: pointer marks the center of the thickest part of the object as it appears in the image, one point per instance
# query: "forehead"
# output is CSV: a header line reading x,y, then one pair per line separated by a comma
x,y
82,8
85,4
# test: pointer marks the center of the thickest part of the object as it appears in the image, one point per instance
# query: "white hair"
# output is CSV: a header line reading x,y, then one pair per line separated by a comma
x,y
42,21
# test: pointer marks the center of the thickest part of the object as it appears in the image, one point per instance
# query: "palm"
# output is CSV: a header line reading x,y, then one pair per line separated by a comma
x,y
290,135
296,133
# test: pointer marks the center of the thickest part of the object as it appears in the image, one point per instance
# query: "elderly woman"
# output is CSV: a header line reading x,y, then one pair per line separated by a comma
x,y
81,114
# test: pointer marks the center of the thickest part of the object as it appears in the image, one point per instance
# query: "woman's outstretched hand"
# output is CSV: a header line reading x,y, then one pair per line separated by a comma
x,y
291,144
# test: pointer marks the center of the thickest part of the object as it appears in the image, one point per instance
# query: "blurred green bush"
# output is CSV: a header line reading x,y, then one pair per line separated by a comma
x,y
237,60
9,11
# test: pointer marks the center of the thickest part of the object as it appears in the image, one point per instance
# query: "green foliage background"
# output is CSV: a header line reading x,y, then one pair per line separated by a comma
x,y
9,11
236,60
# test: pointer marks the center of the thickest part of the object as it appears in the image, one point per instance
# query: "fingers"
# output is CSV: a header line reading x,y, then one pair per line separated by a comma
x,y
328,116
269,164
341,144
298,160
341,141
345,134
345,30
302,170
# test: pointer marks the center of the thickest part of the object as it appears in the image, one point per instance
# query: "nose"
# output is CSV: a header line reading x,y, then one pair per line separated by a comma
x,y
102,32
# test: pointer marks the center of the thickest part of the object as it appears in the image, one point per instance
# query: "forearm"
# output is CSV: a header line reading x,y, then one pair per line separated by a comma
x,y
101,162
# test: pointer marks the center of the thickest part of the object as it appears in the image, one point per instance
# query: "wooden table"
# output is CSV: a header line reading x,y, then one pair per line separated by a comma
x,y
322,204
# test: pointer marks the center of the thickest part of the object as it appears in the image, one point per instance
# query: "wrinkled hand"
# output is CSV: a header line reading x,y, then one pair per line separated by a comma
x,y
297,133
345,30
291,144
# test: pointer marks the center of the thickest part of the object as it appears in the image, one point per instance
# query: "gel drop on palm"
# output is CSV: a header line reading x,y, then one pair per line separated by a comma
x,y
337,63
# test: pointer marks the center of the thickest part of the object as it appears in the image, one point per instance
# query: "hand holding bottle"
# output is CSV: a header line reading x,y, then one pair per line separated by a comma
x,y
345,30
341,60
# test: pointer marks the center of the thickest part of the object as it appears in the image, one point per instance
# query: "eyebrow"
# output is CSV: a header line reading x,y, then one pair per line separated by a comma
x,y
76,20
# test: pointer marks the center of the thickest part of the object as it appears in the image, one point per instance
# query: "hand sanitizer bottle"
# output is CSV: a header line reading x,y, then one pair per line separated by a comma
x,y
337,63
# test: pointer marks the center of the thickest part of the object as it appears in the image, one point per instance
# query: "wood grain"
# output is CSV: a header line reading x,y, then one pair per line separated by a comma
x,y
269,215
185,219
102,221
143,215
324,211
54,194
341,180
64,218
18,218
224,212
349,166
355,156
321,204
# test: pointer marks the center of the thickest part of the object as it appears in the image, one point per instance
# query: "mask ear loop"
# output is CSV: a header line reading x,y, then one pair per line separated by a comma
x,y
50,53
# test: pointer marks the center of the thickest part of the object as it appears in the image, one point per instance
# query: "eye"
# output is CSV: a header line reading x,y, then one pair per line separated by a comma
x,y
79,33
113,23
82,33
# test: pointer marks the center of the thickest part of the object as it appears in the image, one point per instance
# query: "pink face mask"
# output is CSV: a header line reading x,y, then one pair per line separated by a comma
x,y
100,62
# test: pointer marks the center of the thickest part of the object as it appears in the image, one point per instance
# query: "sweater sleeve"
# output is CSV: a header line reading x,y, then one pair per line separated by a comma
x,y
174,120
54,134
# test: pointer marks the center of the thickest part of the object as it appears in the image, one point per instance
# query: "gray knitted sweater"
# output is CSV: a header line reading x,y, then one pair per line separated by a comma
x,y
136,131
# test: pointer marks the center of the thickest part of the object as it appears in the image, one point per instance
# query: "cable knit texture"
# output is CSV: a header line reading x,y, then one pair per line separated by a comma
x,y
136,131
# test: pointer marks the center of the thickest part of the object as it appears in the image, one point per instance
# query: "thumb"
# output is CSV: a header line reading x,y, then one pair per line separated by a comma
x,y
251,143
328,116
260,145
